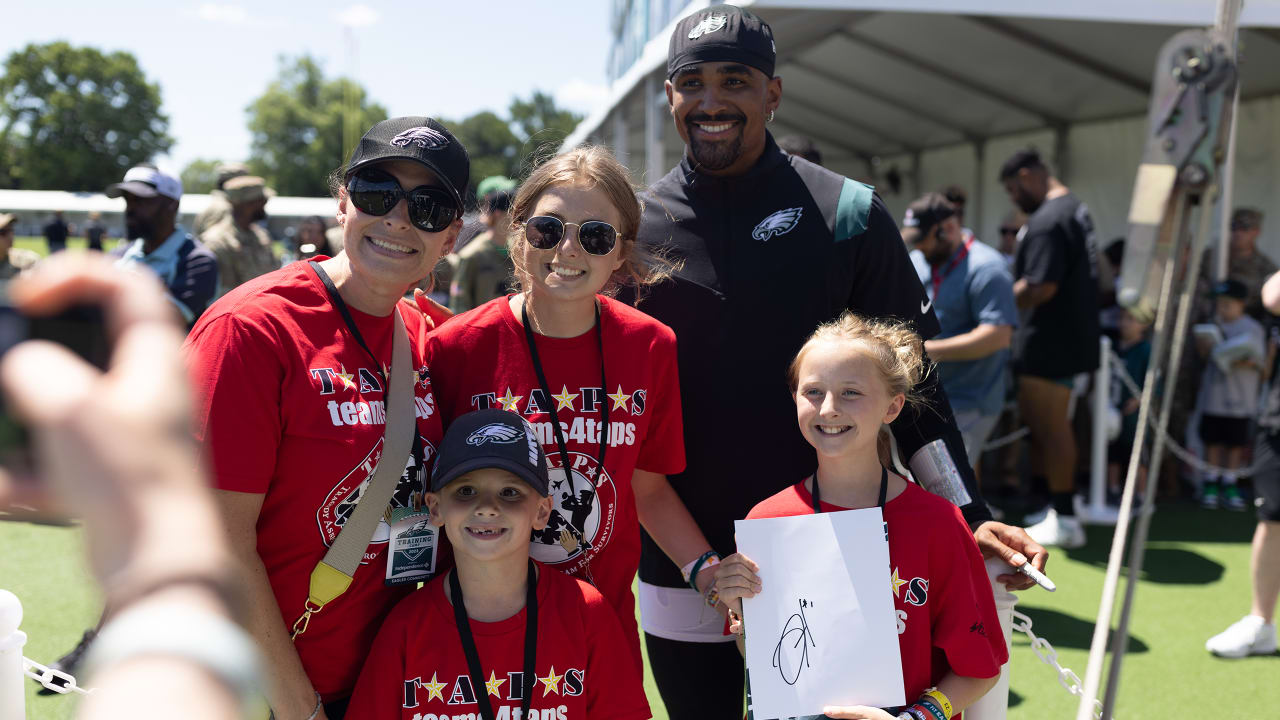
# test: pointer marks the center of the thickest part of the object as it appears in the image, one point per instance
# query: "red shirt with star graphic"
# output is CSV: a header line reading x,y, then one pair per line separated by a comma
x,y
941,594
289,405
417,668
481,359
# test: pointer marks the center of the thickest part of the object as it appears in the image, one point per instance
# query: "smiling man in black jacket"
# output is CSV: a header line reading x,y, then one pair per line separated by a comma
x,y
741,218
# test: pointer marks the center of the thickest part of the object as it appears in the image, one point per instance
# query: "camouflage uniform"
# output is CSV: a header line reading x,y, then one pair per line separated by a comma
x,y
484,273
219,209
242,254
1253,271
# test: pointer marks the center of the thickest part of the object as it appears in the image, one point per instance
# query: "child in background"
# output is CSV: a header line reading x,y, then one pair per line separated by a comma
x,y
1228,400
852,376
1134,350
526,639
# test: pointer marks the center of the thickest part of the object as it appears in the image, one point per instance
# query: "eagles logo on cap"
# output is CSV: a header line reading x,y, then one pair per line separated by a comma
x,y
494,432
423,137
909,219
721,33
709,24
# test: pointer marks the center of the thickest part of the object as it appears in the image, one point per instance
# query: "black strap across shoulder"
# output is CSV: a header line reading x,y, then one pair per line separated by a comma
x,y
552,410
473,656
884,491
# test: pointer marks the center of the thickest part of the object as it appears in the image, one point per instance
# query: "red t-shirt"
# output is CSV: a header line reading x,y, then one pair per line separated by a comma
x,y
417,668
289,405
481,359
941,593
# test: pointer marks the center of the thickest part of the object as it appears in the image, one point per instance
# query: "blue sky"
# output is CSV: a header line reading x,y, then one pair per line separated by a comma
x,y
445,58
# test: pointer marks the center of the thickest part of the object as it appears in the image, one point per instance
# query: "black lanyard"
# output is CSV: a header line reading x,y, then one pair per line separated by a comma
x,y
336,299
473,656
884,491
555,420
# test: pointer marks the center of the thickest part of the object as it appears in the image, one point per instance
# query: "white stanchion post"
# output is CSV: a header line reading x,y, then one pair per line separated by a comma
x,y
1097,512
995,704
12,640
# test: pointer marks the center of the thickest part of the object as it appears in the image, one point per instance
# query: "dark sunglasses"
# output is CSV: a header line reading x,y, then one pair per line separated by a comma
x,y
1008,231
595,236
376,192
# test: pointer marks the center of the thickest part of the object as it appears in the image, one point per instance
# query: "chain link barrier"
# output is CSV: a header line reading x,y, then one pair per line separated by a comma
x,y
1172,445
1049,656
1177,450
46,676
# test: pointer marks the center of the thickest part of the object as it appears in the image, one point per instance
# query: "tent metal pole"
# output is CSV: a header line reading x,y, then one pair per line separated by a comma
x,y
1060,146
1228,21
654,101
978,206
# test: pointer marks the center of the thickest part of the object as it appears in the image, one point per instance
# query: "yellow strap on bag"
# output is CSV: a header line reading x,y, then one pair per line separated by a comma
x,y
332,575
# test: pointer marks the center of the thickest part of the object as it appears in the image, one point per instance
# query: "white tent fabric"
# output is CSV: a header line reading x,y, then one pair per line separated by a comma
x,y
942,91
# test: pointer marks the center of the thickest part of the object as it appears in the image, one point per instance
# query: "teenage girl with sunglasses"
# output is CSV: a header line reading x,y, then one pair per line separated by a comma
x,y
595,377
289,371
850,378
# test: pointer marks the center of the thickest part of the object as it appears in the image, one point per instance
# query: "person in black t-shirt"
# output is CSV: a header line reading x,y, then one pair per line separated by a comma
x,y
56,232
94,231
1056,286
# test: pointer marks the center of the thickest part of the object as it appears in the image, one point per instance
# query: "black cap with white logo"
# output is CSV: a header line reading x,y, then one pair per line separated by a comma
x,y
722,33
491,439
421,140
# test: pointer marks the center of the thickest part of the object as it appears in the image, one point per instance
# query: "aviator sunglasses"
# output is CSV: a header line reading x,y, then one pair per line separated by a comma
x,y
595,236
376,192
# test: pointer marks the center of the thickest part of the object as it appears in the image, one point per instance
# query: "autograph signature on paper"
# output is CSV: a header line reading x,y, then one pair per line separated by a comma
x,y
796,632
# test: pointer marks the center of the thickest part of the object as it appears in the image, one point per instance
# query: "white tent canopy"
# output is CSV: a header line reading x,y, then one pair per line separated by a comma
x,y
33,207
942,91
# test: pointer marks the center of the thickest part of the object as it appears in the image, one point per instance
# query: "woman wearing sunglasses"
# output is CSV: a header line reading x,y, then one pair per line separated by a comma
x,y
290,371
595,377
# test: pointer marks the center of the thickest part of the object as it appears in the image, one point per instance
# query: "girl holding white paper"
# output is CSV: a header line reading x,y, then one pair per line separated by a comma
x,y
852,376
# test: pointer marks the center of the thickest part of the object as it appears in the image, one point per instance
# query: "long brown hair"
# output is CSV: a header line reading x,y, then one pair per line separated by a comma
x,y
593,166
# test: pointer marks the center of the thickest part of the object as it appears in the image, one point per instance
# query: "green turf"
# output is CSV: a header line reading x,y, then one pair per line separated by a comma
x,y
39,245
1196,582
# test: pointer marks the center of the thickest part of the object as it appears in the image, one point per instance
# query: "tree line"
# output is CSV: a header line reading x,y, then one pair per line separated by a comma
x,y
75,118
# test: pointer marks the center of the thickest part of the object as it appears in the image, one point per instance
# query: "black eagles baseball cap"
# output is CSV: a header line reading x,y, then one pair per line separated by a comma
x,y
421,140
722,33
491,439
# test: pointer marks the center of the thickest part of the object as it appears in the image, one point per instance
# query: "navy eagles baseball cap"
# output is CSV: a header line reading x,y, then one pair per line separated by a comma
x,y
421,140
491,439
1232,289
722,33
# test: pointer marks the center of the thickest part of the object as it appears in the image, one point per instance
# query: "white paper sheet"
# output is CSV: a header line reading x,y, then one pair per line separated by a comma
x,y
823,630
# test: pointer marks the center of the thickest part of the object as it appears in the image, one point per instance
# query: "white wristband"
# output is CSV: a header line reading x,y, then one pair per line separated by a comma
x,y
209,640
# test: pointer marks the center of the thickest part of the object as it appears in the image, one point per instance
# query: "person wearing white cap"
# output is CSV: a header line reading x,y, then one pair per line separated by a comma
x,y
187,268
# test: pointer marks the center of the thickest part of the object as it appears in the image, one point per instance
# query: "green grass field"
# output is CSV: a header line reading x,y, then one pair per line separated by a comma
x,y
1195,582
38,244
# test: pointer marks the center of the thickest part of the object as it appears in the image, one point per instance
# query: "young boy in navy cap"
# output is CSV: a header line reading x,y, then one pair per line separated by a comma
x,y
499,631
1229,388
